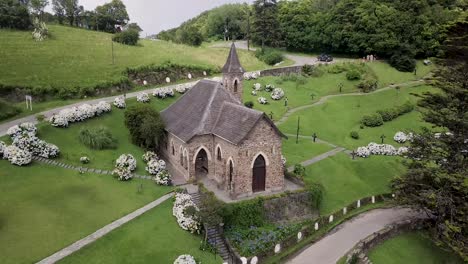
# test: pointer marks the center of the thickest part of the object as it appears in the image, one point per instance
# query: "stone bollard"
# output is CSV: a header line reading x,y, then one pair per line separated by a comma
x,y
277,248
345,211
243,260
189,76
316,226
358,204
254,260
299,236
373,199
330,219
168,80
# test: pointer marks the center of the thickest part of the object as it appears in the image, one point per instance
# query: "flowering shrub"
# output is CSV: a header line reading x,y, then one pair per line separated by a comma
x,y
22,129
251,75
143,97
41,32
182,88
84,160
119,102
163,92
185,259
150,155
163,178
277,94
257,87
254,92
269,88
124,166
78,114
24,138
380,149
186,221
401,137
155,166
262,100
17,156
2,148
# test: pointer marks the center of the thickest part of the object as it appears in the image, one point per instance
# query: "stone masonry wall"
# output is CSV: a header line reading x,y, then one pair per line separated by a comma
x,y
281,71
290,208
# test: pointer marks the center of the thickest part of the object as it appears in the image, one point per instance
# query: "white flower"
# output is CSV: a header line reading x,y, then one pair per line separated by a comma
x,y
277,94
84,160
262,100
185,259
257,87
150,155
143,97
163,178
182,88
185,221
124,166
102,107
2,148
17,156
163,92
155,166
400,137
380,149
402,150
363,152
251,75
124,174
28,129
119,102
78,114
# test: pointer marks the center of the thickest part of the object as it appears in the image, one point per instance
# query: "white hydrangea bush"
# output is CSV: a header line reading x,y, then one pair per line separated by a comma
x,y
2,148
24,129
154,166
17,156
257,87
269,88
402,137
79,114
163,178
277,94
149,155
183,88
251,75
185,259
254,92
185,221
124,166
143,97
262,100
163,92
84,160
119,102
380,149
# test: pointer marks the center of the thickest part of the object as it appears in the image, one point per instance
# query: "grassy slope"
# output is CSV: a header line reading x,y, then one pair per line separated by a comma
x,y
43,208
154,237
413,248
304,150
337,117
346,180
78,57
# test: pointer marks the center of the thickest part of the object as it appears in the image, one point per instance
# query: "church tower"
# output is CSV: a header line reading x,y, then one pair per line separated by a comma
x,y
233,74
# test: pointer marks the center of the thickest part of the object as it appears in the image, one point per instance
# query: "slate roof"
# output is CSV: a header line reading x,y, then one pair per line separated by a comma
x,y
233,64
207,109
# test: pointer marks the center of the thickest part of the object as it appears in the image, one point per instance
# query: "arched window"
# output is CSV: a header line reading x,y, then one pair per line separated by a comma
x,y
231,173
218,154
173,150
235,86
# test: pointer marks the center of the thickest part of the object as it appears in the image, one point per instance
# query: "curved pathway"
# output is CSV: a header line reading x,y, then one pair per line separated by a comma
x,y
339,241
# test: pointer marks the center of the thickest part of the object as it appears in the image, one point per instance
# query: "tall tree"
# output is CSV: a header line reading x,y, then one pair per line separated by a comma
x,y
437,178
111,14
266,28
13,14
134,26
66,8
37,6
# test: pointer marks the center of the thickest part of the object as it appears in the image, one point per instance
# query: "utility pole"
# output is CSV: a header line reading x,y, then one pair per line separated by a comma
x,y
113,60
297,134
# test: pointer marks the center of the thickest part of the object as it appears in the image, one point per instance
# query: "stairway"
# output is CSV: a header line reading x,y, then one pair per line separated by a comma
x,y
214,237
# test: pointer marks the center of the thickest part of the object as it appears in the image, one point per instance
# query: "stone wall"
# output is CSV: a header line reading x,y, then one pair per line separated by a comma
x,y
293,207
281,71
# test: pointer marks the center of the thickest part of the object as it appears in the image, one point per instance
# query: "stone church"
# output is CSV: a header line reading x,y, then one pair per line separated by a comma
x,y
212,135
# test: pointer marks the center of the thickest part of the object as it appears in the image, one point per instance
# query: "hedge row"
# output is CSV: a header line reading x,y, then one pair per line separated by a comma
x,y
386,115
7,110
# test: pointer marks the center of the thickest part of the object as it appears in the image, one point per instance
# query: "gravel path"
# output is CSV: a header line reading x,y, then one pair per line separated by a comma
x,y
339,241
102,232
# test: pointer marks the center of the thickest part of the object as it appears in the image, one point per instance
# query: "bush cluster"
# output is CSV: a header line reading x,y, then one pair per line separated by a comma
x,y
244,214
127,37
249,104
147,128
97,138
8,110
354,135
269,56
403,62
353,75
386,115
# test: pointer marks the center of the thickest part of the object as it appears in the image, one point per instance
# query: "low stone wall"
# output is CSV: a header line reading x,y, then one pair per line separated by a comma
x,y
293,207
281,71
364,246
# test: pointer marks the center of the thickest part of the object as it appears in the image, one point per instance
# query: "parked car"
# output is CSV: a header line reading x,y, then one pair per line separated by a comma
x,y
325,57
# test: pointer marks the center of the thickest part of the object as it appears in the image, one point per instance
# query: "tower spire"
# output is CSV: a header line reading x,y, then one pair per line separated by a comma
x,y
233,74
233,64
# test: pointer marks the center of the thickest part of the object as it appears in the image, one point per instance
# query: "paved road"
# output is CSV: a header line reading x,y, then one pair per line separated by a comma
x,y
337,243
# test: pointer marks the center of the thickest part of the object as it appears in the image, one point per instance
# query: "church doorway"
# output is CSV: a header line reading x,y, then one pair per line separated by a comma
x,y
259,174
201,164
231,173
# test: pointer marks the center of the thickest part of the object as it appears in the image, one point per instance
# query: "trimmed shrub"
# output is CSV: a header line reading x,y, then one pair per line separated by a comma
x,y
316,191
127,37
249,104
354,134
403,62
147,129
299,170
307,69
269,56
368,85
388,114
405,108
353,75
337,68
8,110
373,120
97,138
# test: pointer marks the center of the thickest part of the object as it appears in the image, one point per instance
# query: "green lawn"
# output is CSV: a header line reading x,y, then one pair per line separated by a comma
x,y
415,248
337,117
77,57
346,180
389,75
72,149
44,208
304,150
154,237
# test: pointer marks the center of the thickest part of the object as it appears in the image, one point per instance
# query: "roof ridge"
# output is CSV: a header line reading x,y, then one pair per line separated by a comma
x,y
205,112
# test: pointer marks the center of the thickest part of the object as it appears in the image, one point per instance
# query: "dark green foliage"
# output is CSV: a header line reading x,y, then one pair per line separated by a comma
x,y
244,214
14,15
111,14
211,209
8,110
307,69
403,62
127,37
269,56
97,138
388,114
312,71
405,108
299,170
373,120
354,135
249,104
147,129
368,84
266,25
337,68
353,75
316,192
436,180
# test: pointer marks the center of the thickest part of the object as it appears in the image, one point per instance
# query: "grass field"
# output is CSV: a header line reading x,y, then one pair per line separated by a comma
x,y
415,248
305,149
77,57
337,117
43,208
154,237
346,180
327,84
